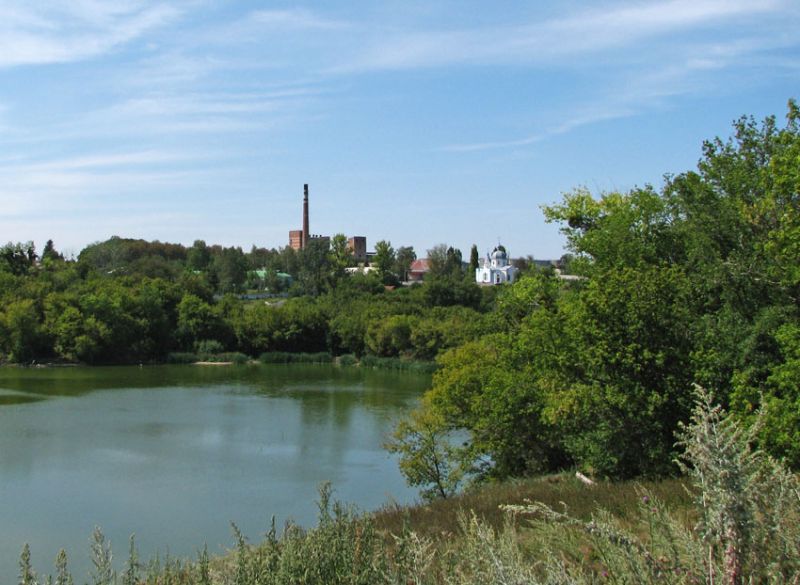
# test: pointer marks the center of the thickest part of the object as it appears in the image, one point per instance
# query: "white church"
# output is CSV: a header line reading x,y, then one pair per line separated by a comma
x,y
496,268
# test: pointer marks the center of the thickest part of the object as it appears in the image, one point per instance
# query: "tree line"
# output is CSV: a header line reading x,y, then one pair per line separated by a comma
x,y
133,301
697,282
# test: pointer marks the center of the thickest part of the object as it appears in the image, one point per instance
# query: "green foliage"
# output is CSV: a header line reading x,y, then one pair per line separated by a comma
x,y
20,330
130,576
451,291
314,271
341,256
390,337
17,259
384,261
749,502
229,270
182,357
404,256
473,261
102,567
695,282
198,257
382,363
26,574
285,357
444,262
428,457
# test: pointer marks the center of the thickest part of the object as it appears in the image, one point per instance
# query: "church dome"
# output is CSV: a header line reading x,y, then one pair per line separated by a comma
x,y
499,257
499,253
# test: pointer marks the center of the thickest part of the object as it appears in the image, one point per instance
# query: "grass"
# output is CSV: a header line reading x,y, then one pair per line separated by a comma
x,y
286,357
400,364
186,357
560,492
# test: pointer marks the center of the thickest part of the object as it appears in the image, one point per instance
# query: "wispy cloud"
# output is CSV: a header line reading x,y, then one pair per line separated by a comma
x,y
41,33
586,32
580,116
51,183
298,19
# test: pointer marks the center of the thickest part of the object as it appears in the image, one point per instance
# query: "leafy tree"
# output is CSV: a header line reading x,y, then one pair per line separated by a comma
x,y
198,257
20,330
473,261
437,262
49,253
17,259
314,267
384,261
390,337
404,256
428,457
197,321
444,262
450,291
230,270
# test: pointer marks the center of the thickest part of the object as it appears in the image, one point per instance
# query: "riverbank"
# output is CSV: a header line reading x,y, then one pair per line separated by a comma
x,y
283,357
554,529
444,541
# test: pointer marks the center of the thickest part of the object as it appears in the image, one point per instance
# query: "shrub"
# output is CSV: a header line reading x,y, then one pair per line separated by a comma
x,y
208,346
182,357
286,357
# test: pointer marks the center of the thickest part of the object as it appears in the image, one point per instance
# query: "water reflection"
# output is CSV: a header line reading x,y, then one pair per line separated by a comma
x,y
174,453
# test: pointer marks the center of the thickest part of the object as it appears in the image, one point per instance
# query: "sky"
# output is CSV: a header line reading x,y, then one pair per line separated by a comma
x,y
419,122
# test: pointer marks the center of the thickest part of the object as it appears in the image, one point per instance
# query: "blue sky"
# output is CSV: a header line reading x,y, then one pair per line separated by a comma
x,y
418,122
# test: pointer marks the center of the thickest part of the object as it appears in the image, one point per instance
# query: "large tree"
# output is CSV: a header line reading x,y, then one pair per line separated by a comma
x,y
384,261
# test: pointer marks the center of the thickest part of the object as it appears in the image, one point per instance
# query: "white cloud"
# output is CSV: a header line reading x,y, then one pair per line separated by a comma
x,y
299,19
46,32
540,43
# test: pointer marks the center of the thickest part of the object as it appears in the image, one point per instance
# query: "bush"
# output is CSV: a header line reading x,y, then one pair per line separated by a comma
x,y
287,357
392,363
182,357
347,360
233,356
208,346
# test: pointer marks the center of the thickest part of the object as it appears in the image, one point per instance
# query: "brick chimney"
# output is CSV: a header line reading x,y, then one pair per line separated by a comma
x,y
305,215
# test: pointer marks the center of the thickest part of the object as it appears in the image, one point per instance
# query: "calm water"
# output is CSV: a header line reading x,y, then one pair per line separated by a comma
x,y
176,453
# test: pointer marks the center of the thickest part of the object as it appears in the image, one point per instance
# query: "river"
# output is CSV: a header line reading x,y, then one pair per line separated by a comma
x,y
175,454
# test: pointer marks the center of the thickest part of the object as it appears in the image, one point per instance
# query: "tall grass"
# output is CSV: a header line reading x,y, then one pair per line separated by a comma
x,y
393,363
183,357
286,357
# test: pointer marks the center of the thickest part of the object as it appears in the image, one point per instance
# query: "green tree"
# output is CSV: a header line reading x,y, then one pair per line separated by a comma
x,y
197,321
314,267
384,261
390,336
341,256
49,253
20,330
429,458
404,256
198,257
230,270
473,261
18,259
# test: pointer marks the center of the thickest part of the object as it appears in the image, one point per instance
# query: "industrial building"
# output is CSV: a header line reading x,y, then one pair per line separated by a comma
x,y
299,239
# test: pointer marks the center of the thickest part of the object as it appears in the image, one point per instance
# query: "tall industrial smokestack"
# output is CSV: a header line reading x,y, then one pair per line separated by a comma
x,y
305,215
